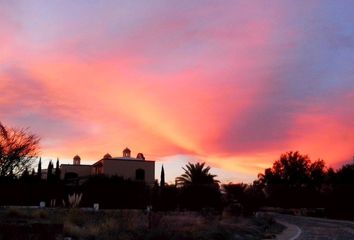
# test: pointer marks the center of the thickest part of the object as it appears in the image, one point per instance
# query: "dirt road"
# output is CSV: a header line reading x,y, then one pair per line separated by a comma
x,y
307,228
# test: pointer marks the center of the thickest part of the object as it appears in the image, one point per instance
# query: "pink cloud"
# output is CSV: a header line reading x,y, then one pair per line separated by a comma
x,y
234,85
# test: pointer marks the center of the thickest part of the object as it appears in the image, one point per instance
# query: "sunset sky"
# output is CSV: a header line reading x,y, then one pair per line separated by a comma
x,y
231,83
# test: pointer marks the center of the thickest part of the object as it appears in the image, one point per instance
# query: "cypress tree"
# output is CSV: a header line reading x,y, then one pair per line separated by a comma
x,y
39,170
162,178
57,170
25,174
50,171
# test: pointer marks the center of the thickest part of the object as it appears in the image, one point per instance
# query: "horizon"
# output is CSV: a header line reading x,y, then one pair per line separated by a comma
x,y
232,84
173,168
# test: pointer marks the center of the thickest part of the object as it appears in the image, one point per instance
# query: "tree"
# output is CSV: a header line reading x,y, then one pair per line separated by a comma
x,y
50,171
25,174
245,198
345,175
294,170
294,181
39,170
198,188
235,191
57,170
18,150
317,172
196,174
162,178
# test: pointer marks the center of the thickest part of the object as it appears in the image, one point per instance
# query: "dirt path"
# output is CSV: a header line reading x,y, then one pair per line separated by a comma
x,y
315,228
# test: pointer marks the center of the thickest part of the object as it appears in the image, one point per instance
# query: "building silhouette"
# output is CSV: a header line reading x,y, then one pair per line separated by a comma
x,y
137,169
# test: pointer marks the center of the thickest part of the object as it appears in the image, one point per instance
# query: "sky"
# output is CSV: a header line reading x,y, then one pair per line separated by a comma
x,y
230,83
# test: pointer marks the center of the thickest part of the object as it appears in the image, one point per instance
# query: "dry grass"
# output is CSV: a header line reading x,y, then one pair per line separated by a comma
x,y
137,225
112,224
27,214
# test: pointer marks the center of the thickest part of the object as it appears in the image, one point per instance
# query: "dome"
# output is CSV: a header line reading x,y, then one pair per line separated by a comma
x,y
76,160
107,156
127,150
140,156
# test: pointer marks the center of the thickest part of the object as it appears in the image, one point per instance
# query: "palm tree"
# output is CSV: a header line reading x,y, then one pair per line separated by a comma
x,y
196,174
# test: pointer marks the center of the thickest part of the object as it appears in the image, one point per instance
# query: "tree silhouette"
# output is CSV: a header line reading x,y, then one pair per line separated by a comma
x,y
235,191
292,168
196,174
295,170
245,198
317,172
198,188
18,149
295,181
39,170
50,171
57,170
162,177
345,175
25,174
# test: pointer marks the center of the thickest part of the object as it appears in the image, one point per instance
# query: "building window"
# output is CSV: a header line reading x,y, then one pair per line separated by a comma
x,y
140,174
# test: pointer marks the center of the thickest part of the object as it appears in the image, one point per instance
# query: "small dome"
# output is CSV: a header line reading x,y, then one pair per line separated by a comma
x,y
127,150
107,156
126,153
76,160
140,156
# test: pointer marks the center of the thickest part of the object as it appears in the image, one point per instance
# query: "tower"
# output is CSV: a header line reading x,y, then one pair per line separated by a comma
x,y
107,156
76,160
126,153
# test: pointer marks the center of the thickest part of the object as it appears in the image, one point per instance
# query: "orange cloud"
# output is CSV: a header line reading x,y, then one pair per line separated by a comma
x,y
234,90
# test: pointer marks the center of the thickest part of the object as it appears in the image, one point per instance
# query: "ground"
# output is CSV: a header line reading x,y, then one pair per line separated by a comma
x,y
35,223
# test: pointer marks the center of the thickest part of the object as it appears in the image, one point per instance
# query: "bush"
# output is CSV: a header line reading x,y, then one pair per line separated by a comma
x,y
199,196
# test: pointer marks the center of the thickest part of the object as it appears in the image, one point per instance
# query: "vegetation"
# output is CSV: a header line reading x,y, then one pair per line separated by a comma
x,y
243,198
130,225
198,188
296,182
196,174
18,150
294,170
